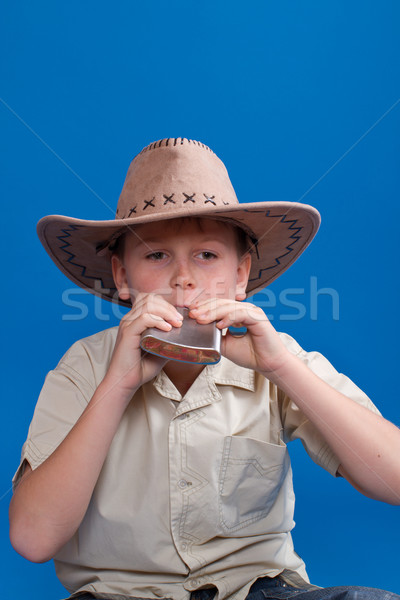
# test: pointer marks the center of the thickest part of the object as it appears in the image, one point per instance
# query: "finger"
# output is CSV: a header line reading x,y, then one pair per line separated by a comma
x,y
228,312
207,309
150,303
136,326
240,316
159,310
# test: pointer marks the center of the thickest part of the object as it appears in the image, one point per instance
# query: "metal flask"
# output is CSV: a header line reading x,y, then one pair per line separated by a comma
x,y
191,343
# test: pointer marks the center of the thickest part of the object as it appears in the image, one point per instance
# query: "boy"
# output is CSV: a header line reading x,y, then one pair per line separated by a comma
x,y
147,478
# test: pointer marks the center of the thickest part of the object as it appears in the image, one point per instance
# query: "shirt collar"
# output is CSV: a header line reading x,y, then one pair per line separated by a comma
x,y
223,373
228,373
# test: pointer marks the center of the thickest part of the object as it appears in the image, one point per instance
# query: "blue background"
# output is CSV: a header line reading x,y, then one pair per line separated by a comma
x,y
302,102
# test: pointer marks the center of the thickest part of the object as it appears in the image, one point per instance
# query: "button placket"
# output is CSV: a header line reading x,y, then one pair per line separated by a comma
x,y
183,484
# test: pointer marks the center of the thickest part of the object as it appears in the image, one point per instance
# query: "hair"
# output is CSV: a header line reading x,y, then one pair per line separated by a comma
x,y
243,241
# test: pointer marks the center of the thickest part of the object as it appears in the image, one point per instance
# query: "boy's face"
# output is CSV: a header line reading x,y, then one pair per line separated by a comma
x,y
183,260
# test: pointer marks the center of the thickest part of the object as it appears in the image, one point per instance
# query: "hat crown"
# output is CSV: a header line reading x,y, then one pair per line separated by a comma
x,y
175,175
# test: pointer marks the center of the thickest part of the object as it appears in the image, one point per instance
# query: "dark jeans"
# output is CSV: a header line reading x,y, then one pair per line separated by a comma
x,y
275,588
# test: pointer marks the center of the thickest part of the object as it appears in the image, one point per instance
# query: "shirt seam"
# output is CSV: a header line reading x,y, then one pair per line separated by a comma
x,y
78,375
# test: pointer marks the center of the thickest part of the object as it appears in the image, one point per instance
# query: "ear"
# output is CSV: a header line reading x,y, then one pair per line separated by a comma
x,y
243,272
119,275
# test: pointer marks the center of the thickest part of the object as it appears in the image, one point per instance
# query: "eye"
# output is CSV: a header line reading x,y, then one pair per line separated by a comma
x,y
155,256
207,255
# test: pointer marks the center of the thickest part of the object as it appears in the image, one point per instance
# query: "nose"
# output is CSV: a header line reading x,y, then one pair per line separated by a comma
x,y
182,276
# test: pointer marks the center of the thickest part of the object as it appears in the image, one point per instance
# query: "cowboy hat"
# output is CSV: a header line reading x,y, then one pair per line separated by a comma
x,y
172,178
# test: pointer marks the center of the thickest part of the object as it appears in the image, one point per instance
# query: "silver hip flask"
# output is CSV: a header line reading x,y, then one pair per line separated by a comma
x,y
191,343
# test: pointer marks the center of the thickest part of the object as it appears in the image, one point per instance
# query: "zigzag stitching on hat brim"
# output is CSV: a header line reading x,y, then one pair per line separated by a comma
x,y
289,248
72,256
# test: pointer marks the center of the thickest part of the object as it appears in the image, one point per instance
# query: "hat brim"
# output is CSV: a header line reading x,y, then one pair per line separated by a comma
x,y
280,232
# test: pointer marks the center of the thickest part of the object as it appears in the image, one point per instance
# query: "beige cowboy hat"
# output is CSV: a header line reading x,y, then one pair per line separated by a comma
x,y
172,178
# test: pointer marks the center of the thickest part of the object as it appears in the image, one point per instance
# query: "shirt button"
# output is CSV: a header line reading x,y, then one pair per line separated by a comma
x,y
182,484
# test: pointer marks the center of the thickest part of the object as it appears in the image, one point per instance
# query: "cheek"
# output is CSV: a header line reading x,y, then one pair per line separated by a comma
x,y
147,281
221,282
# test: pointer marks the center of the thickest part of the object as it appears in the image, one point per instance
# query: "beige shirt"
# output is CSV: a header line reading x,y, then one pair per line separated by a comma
x,y
195,491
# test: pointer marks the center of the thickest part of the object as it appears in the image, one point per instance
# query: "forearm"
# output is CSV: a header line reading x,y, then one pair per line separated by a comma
x,y
50,502
367,445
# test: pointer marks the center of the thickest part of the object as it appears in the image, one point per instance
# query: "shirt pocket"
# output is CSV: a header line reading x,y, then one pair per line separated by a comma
x,y
251,475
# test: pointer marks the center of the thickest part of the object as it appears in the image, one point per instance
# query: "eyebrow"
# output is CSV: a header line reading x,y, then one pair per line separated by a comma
x,y
156,241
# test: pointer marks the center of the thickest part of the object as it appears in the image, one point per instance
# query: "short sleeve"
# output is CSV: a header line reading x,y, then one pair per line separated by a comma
x,y
65,394
297,426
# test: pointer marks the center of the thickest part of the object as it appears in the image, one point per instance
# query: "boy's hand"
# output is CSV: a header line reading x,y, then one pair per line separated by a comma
x,y
130,367
260,348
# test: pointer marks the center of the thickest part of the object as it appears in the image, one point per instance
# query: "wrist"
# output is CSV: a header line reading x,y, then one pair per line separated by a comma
x,y
280,367
116,390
